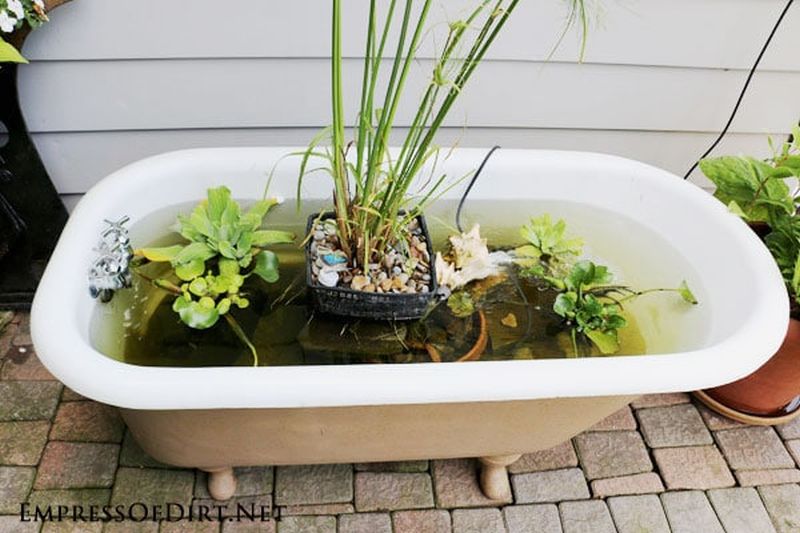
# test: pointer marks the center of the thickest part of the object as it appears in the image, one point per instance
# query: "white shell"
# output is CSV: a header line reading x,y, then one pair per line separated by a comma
x,y
328,277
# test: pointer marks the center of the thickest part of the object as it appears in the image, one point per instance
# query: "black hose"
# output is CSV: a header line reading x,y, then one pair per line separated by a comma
x,y
469,187
744,89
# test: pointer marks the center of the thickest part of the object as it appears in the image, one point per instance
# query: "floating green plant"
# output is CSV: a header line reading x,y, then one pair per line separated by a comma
x,y
589,303
225,247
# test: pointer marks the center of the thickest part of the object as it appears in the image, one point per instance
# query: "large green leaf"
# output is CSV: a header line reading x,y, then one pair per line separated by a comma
x,y
196,315
160,255
196,251
607,343
219,199
267,266
9,54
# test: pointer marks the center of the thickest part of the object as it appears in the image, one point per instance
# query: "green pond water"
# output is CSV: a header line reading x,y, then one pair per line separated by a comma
x,y
139,327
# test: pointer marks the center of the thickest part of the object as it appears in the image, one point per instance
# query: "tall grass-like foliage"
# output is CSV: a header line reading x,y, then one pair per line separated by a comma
x,y
372,198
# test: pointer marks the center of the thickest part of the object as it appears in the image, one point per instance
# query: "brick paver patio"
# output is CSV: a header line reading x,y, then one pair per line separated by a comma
x,y
663,464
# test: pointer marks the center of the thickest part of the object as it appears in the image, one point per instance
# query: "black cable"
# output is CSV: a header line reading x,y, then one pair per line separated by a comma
x,y
469,187
744,89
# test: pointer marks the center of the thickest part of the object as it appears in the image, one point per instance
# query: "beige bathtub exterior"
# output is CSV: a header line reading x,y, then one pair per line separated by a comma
x,y
497,432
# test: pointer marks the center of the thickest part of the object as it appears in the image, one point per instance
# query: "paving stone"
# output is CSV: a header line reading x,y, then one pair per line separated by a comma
x,y
753,448
132,455
318,509
790,430
619,421
11,524
249,527
76,465
21,363
185,526
398,466
613,453
376,491
15,484
646,483
296,485
365,523
792,445
660,400
68,497
690,512
751,478
131,527
550,486
23,335
69,395
307,524
590,516
72,527
154,486
561,456
676,425
634,514
740,510
715,421
426,521
8,330
478,521
28,400
693,467
250,481
542,518
783,506
456,484
87,421
21,443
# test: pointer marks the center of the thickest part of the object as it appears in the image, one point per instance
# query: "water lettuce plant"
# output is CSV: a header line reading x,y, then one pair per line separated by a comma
x,y
588,301
224,247
373,201
763,192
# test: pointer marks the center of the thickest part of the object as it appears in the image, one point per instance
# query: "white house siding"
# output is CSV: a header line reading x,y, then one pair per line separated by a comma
x,y
112,81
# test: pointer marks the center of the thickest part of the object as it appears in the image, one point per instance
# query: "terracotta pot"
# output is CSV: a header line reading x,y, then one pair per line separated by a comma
x,y
771,390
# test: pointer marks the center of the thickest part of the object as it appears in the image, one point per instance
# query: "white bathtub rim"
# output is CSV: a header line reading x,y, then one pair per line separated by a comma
x,y
98,377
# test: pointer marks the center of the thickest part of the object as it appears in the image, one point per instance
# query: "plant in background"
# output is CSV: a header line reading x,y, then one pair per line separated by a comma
x,y
589,303
14,14
225,247
373,201
765,192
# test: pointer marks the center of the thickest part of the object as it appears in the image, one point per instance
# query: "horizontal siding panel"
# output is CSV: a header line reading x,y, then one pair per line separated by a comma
x,y
238,93
687,33
76,161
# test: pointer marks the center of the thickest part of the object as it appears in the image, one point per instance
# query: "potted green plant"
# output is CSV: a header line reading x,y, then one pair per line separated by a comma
x,y
764,194
371,256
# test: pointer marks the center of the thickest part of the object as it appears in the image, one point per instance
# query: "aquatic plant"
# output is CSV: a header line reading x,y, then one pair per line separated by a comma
x,y
373,201
225,247
589,303
762,192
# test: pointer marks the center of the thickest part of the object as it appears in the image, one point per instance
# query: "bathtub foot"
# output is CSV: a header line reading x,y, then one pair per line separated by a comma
x,y
494,477
221,483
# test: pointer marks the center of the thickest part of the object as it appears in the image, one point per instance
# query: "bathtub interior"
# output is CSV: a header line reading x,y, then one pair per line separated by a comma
x,y
723,262
659,241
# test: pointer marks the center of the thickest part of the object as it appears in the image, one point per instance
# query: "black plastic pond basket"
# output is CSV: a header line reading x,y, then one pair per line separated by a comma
x,y
360,304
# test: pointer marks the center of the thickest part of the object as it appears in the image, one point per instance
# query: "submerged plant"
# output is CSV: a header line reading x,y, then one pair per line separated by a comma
x,y
589,303
225,247
766,192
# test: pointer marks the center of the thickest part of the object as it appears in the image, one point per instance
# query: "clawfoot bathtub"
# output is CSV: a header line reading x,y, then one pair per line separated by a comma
x,y
217,418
